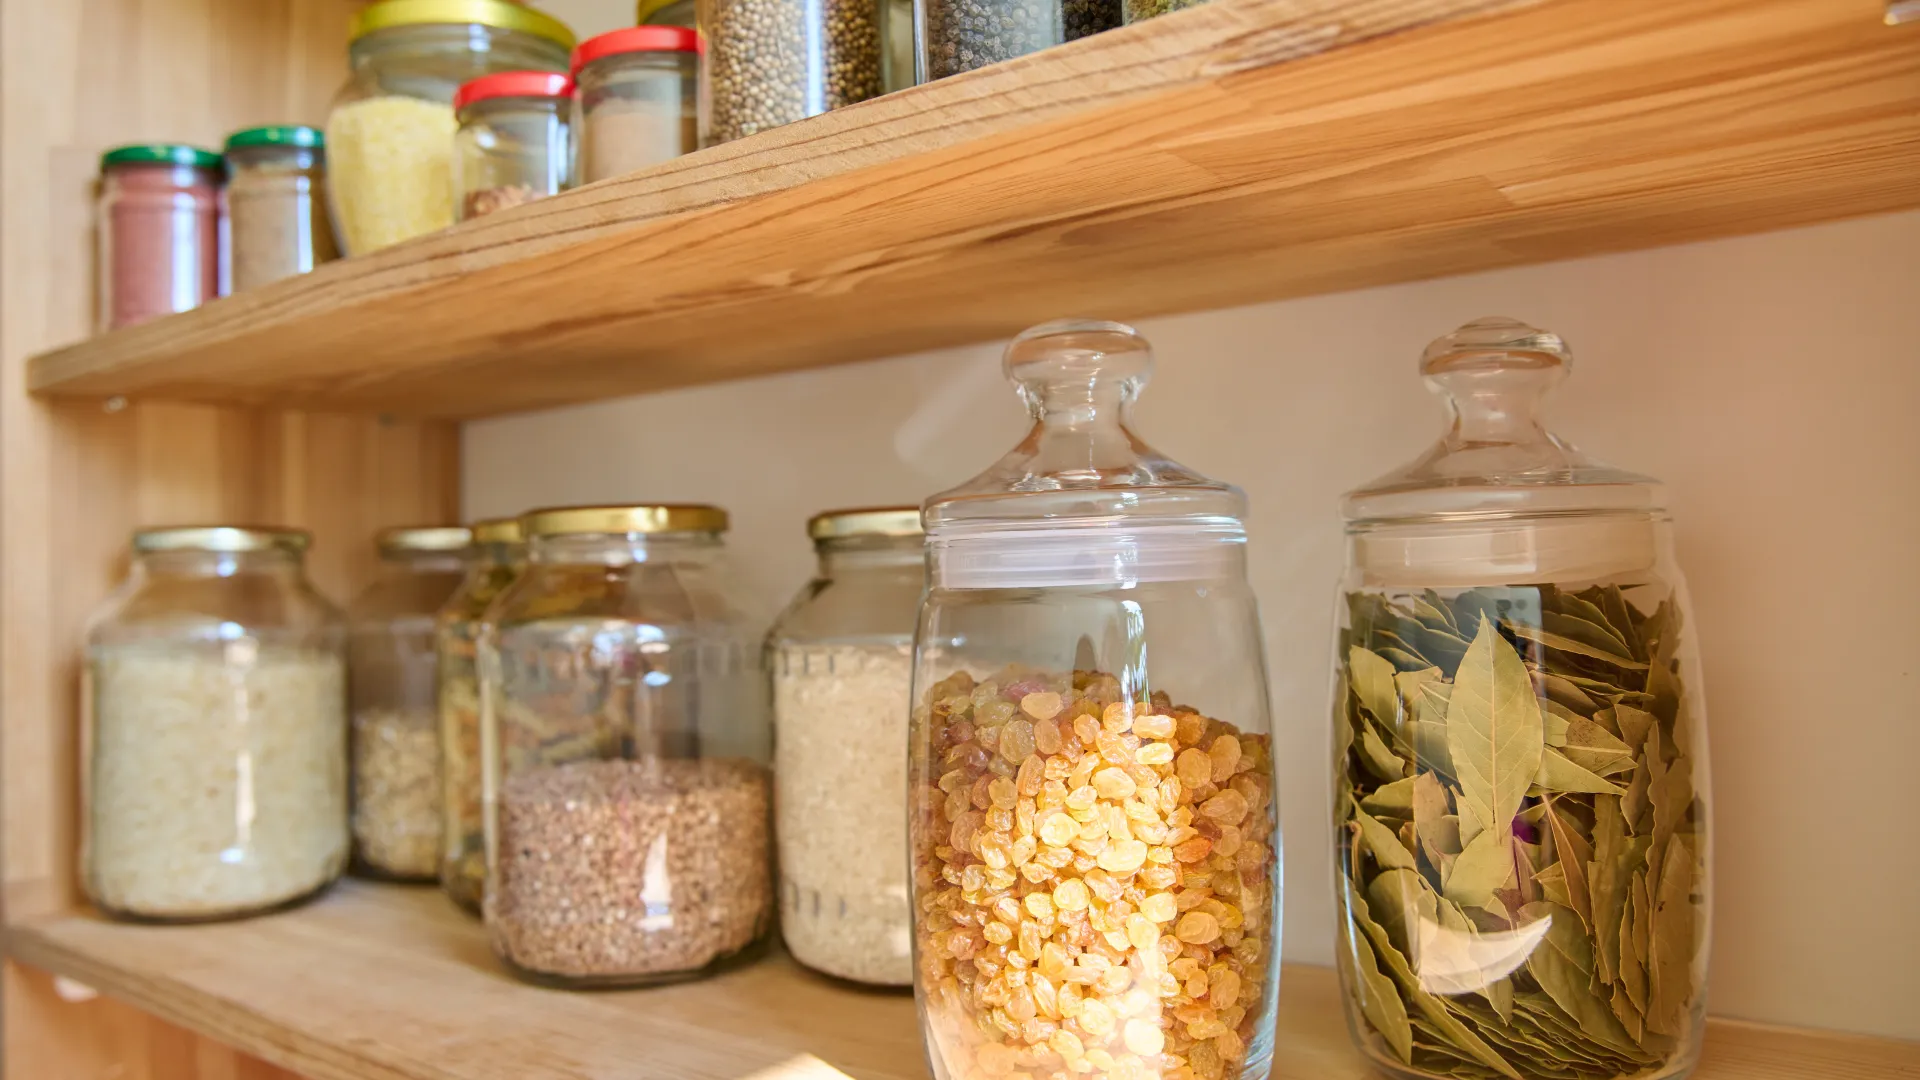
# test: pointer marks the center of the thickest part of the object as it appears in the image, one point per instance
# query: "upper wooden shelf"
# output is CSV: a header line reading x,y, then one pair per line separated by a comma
x,y
391,983
1241,151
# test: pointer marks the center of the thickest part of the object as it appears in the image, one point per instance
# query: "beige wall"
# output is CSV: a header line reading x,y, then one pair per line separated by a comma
x,y
1772,381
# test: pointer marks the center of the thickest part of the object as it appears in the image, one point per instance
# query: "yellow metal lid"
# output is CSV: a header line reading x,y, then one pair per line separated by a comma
x,y
424,538
221,538
655,518
868,521
499,14
497,531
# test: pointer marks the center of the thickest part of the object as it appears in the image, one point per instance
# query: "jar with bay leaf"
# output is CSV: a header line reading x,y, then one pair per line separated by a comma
x,y
1521,786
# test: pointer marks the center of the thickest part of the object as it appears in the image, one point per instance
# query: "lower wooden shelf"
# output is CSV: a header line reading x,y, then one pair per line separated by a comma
x,y
388,983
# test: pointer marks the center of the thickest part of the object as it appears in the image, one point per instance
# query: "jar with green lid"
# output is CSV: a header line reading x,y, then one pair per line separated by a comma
x,y
664,13
159,232
493,561
390,132
276,204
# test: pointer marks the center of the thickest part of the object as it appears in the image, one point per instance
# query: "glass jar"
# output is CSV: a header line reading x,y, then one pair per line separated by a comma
x,y
625,738
396,725
639,98
496,558
771,62
896,45
390,131
515,141
1520,772
960,35
842,661
215,730
276,204
1096,875
159,229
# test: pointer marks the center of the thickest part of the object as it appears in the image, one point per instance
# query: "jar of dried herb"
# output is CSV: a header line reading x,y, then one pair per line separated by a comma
x,y
1520,772
515,142
276,204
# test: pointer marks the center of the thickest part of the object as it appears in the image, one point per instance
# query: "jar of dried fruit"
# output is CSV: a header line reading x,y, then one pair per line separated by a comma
x,y
1095,850
842,661
396,727
515,142
626,740
1521,773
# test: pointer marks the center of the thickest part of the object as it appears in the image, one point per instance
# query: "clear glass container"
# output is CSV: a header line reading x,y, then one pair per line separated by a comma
x,y
772,62
215,730
276,204
664,13
1521,759
515,142
396,725
625,738
159,232
842,663
390,130
953,36
1094,834
639,99
496,558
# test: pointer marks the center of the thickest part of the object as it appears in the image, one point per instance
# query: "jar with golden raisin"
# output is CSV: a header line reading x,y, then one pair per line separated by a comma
x,y
1093,825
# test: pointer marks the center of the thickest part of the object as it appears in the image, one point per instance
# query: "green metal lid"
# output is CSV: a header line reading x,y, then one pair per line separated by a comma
x,y
160,154
295,135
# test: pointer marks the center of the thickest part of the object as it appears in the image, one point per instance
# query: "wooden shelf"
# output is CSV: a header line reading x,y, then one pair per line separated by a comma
x,y
389,983
1241,151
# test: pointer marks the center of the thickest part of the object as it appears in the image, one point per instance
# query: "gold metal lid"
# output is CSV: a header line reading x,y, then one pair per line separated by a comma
x,y
424,538
499,14
221,538
497,531
866,521
655,518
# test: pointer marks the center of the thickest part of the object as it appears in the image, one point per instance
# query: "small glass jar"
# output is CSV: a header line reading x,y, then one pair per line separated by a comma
x,y
276,204
390,130
639,98
215,730
960,35
626,740
515,141
772,62
842,662
1095,860
396,724
159,229
664,13
1520,775
496,558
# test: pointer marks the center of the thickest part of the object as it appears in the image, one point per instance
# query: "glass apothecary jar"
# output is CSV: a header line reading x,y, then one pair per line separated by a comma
x,y
772,62
392,667
842,662
1521,772
515,142
639,99
626,739
960,35
159,232
495,559
215,709
1096,876
276,204
390,131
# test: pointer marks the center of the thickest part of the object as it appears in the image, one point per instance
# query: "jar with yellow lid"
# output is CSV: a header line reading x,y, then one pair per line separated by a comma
x,y
390,131
625,738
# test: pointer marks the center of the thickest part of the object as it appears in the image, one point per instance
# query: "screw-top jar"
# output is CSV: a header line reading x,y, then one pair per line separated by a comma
x,y
215,696
1520,774
1096,876
276,204
960,35
842,661
390,132
159,228
772,62
639,92
515,142
625,739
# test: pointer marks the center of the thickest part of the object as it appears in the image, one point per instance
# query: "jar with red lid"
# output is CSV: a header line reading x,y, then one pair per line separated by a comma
x,y
159,231
639,99
515,142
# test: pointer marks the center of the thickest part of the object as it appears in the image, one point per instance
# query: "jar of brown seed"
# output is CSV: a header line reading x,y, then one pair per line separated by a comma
x,y
771,62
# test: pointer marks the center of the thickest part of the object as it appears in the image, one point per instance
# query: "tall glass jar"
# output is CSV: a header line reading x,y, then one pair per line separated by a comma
x,y
515,142
960,35
626,739
396,726
390,131
159,232
1096,875
496,558
1521,763
276,204
772,62
215,712
842,662
639,99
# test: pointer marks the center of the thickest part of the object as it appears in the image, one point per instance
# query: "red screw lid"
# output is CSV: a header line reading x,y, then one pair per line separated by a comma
x,y
636,39
546,84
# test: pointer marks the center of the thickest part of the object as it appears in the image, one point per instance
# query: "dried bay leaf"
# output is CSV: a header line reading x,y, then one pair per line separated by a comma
x,y
1575,853
1485,864
1379,1000
1563,691
1434,822
1408,683
1438,609
1635,924
1591,746
1614,604
1564,968
1593,633
1494,732
1385,847
1629,1016
1670,991
1379,759
1391,800
1557,773
1372,679
1559,643
1402,659
1553,885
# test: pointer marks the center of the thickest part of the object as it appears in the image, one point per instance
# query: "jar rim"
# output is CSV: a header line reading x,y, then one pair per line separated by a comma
x,y
865,521
639,518
498,14
502,530
637,39
225,539
537,85
424,538
160,154
298,136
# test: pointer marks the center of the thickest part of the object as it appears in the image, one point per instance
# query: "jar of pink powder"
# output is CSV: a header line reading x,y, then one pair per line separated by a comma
x,y
159,231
